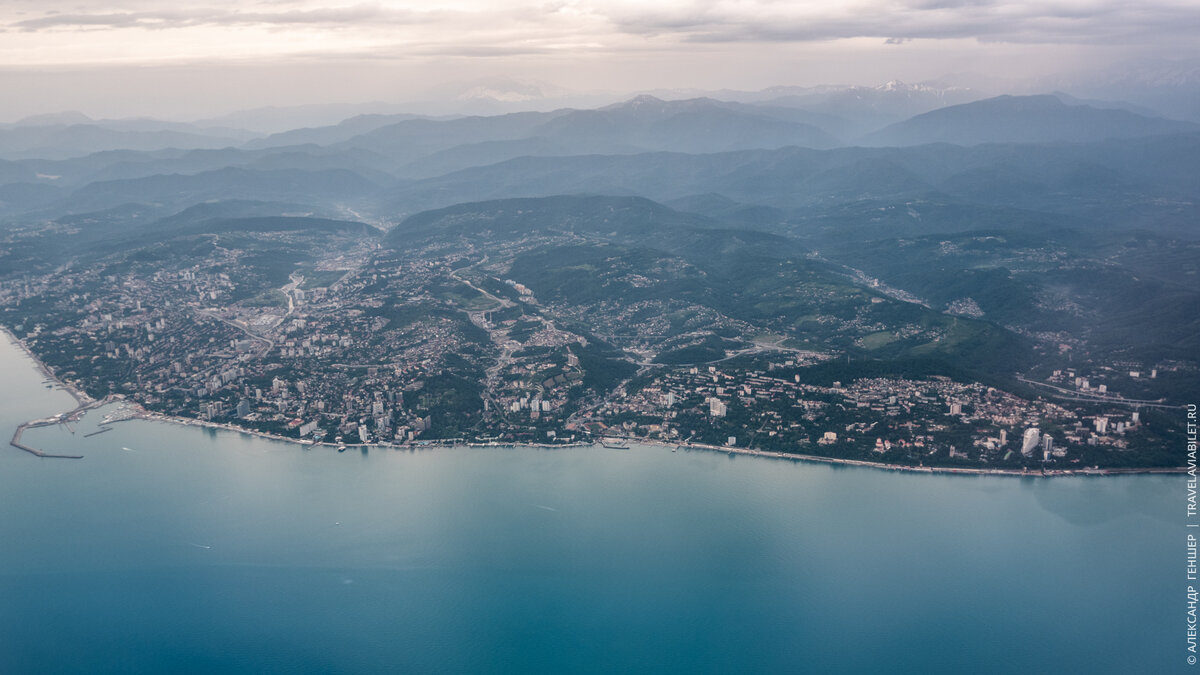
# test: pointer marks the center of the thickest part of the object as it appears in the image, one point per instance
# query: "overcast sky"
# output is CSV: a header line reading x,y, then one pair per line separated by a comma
x,y
192,59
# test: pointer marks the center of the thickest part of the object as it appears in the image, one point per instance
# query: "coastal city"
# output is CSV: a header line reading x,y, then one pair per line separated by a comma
x,y
599,337
360,346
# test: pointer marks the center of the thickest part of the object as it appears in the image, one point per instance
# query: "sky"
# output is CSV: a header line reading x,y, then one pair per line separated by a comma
x,y
189,59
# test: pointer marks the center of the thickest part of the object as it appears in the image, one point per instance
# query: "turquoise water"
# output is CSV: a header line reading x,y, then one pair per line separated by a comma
x,y
178,549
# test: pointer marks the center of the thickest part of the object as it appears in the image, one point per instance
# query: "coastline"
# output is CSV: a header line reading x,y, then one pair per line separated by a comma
x,y
83,401
915,469
87,402
81,397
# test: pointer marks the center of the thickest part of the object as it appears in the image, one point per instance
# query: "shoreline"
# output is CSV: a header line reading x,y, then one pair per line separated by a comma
x,y
87,402
797,457
82,400
81,397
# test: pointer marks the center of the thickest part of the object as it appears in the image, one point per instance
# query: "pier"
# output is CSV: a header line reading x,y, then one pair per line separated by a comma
x,y
16,439
62,418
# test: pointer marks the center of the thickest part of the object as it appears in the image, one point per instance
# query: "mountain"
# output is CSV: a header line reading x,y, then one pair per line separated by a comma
x,y
869,108
612,216
277,119
1106,105
642,124
409,140
694,125
327,188
64,118
232,209
127,164
269,224
1023,119
136,124
601,252
75,140
16,197
1113,183
1169,86
328,135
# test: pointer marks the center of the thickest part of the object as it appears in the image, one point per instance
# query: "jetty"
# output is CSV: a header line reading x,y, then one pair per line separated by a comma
x,y
16,439
61,418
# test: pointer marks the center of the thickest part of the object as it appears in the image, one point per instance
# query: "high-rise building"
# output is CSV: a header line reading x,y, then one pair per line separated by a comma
x,y
1030,441
716,408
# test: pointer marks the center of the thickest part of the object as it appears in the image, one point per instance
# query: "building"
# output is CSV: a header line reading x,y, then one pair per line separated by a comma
x,y
1030,441
716,408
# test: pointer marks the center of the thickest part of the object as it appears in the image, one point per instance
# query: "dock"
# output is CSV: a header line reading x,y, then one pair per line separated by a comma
x,y
16,440
62,418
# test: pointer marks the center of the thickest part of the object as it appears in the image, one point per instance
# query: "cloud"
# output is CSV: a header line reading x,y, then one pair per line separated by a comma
x,y
161,19
1025,21
1019,21
65,31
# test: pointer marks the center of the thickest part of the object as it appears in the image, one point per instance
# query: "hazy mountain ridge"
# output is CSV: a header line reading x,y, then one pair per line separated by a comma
x,y
75,140
1023,119
178,190
423,148
1152,175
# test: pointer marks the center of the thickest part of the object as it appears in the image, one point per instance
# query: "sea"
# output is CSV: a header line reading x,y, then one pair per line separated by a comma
x,y
181,549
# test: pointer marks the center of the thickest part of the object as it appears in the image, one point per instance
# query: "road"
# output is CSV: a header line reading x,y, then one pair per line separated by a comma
x,y
1074,395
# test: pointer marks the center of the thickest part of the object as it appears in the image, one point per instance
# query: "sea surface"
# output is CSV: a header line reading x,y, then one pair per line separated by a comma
x,y
173,549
